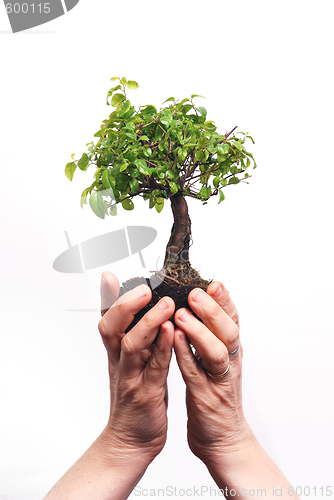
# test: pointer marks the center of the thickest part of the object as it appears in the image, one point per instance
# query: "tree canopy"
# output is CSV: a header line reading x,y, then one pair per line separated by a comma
x,y
159,153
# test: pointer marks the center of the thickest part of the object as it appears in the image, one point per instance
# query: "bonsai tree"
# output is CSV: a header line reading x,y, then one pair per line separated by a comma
x,y
166,154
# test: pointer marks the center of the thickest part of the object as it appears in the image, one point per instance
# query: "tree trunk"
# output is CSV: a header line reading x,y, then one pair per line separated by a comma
x,y
177,251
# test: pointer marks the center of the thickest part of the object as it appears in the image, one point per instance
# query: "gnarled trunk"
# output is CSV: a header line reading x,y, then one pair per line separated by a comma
x,y
177,251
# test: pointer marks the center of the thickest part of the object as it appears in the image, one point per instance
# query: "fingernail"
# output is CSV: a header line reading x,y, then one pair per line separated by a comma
x,y
199,296
217,292
140,291
162,304
185,316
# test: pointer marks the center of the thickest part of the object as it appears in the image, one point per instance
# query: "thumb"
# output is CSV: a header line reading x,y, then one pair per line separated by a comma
x,y
109,291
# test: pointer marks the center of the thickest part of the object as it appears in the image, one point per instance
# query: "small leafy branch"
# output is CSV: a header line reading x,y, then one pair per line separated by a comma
x,y
159,155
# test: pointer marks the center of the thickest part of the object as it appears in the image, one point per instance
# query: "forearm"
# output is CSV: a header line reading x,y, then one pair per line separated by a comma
x,y
250,473
103,473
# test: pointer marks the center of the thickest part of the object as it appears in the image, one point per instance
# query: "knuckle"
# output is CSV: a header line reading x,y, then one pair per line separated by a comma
x,y
146,321
127,345
221,359
233,335
235,317
215,313
102,327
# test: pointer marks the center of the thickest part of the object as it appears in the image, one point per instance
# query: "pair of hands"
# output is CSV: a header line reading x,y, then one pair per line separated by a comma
x,y
138,371
136,431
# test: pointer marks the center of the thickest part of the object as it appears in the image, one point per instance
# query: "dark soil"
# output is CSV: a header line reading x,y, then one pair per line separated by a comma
x,y
162,286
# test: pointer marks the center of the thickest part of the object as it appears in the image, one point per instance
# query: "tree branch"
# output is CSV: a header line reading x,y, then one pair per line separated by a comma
x,y
226,136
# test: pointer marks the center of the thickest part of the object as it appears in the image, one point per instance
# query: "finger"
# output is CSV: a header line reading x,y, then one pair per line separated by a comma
x,y
213,352
120,315
218,292
215,318
190,368
142,335
158,365
109,291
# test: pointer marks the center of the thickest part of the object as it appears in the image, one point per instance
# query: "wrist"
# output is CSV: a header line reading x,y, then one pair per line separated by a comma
x,y
120,454
230,452
241,470
104,471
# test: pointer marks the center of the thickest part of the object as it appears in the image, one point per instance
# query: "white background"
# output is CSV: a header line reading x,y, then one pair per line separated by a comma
x,y
264,66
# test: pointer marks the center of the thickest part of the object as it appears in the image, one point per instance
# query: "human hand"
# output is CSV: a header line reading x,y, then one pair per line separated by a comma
x,y
137,368
216,423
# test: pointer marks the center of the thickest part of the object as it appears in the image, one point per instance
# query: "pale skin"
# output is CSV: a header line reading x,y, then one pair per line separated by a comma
x,y
218,433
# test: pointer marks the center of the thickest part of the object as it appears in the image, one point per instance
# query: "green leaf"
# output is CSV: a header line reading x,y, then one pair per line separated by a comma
x,y
132,85
144,138
83,199
221,196
159,204
70,169
166,119
115,170
216,181
233,180
117,99
238,145
142,167
221,158
148,151
134,185
169,174
209,126
97,204
148,110
158,133
113,210
251,138
173,187
123,80
199,155
114,78
124,109
205,192
202,111
105,179
127,204
131,136
83,162
113,89
100,133
152,202
186,108
124,166
201,142
196,95
169,99
182,154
